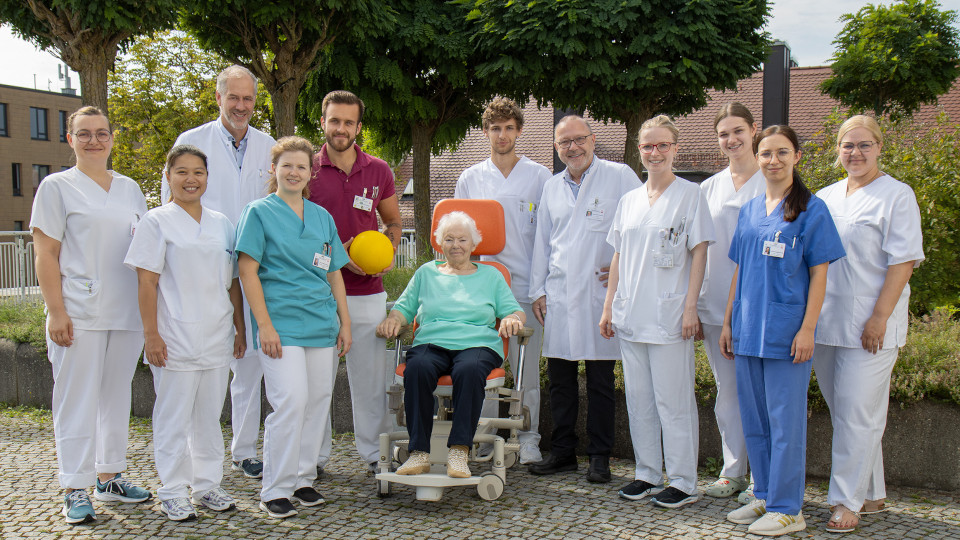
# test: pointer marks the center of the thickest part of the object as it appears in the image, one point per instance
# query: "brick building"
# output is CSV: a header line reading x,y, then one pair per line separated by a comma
x,y
33,144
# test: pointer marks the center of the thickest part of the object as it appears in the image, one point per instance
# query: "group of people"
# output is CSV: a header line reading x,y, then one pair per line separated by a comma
x,y
245,268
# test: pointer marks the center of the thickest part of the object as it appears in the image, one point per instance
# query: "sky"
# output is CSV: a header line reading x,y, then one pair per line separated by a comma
x,y
808,27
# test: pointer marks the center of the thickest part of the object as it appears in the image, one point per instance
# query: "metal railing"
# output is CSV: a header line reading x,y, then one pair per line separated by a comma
x,y
18,277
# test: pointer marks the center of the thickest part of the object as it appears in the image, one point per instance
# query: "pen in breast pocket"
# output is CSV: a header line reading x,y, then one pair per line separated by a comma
x,y
794,244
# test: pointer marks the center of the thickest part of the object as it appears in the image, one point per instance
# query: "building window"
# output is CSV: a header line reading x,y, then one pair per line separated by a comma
x,y
39,173
18,225
3,120
38,124
63,126
17,184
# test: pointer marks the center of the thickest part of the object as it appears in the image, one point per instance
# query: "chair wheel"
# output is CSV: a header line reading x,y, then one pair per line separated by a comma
x,y
400,454
510,459
490,487
383,489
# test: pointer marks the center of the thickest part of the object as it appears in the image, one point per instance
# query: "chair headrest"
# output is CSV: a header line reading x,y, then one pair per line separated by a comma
x,y
489,217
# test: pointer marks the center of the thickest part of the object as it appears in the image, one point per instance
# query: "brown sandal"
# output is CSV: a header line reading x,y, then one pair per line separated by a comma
x,y
873,507
841,514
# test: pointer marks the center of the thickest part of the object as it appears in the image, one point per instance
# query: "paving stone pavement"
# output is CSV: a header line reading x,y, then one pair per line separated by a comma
x,y
564,506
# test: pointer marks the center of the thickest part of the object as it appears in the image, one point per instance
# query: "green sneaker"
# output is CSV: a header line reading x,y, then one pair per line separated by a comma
x,y
120,490
77,507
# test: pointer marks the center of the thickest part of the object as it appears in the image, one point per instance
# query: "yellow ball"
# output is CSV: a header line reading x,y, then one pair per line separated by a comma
x,y
372,251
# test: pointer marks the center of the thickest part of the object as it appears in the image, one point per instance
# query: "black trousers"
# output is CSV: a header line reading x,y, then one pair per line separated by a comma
x,y
468,369
565,406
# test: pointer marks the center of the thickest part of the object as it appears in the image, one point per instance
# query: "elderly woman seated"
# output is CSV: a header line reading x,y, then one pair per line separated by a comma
x,y
456,304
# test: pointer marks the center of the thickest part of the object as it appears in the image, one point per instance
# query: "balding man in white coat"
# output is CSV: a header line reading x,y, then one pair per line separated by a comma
x,y
568,277
238,161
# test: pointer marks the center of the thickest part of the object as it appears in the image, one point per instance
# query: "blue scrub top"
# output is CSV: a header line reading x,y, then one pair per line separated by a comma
x,y
298,296
771,296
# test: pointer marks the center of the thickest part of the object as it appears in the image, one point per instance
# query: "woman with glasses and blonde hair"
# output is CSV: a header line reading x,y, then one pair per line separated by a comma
x,y
864,321
660,234
83,220
783,244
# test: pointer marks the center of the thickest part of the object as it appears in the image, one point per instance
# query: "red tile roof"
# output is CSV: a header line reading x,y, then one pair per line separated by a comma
x,y
698,143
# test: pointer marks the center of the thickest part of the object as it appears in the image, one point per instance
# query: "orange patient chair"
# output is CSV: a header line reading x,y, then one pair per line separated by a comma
x,y
393,446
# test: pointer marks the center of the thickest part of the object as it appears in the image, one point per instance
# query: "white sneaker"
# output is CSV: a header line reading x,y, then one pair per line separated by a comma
x,y
457,466
178,509
746,515
417,463
216,499
530,453
776,524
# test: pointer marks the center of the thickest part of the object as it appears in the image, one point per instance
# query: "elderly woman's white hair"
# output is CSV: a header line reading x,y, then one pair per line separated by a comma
x,y
457,218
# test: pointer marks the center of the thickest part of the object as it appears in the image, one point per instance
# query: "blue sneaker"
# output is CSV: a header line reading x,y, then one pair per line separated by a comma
x,y
120,490
250,467
77,507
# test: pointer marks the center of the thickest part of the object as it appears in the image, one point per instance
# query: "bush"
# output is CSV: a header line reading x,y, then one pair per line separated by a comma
x,y
924,156
23,322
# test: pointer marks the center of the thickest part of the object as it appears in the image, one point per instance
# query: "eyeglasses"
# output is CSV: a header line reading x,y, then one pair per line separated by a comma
x,y
782,155
580,141
863,146
662,147
85,136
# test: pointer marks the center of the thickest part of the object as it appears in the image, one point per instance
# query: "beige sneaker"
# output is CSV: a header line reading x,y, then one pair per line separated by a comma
x,y
457,462
749,513
417,463
777,524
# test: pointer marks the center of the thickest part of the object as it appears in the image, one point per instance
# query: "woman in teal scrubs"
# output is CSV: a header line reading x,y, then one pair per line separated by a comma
x,y
290,258
783,243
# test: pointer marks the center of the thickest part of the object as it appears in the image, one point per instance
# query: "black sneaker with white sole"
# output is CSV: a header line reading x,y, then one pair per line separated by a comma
x,y
307,496
636,490
278,508
674,498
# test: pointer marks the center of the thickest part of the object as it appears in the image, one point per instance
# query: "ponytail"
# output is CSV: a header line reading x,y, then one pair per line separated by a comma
x,y
799,195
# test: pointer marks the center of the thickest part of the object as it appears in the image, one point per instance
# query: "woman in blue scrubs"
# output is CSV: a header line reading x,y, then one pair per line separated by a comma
x,y
290,260
783,243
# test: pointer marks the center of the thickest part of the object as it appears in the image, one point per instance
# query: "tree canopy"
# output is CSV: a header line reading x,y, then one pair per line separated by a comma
x,y
419,86
892,59
86,34
623,60
280,42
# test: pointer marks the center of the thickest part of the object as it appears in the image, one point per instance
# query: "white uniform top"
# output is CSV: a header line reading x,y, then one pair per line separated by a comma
x,y
725,203
196,264
879,225
567,256
229,186
519,194
94,228
654,243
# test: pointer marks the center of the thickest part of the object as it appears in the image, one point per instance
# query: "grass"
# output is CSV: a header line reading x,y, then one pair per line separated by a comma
x,y
23,322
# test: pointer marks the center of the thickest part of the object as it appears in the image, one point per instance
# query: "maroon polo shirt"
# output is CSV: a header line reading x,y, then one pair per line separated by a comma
x,y
335,190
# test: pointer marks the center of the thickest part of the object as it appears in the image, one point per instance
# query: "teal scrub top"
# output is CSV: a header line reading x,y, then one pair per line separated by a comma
x,y
298,296
457,312
771,295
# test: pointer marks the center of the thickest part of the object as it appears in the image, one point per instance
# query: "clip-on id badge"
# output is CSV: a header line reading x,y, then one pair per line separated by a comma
x,y
774,248
362,203
660,258
321,261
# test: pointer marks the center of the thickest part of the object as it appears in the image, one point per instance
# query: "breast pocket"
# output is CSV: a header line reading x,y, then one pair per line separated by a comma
x,y
599,214
862,242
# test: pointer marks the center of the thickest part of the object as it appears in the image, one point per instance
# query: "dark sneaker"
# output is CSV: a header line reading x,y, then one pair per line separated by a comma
x,y
636,490
674,498
77,507
278,508
121,490
553,465
599,471
307,496
250,467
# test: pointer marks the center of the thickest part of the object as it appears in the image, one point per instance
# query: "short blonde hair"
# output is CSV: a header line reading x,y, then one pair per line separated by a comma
x,y
664,121
457,218
857,121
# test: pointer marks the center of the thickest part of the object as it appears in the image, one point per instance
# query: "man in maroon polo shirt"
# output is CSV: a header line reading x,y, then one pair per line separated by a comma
x,y
354,187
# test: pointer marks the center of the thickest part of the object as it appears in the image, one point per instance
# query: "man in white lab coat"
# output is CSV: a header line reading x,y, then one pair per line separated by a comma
x,y
568,276
238,161
517,183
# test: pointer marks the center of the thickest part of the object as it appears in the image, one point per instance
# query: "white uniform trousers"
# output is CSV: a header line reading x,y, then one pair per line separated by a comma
x,y
856,386
91,403
727,407
658,380
187,436
245,398
299,388
531,378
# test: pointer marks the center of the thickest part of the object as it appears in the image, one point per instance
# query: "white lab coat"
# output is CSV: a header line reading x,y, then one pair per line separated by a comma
x,y
94,228
229,187
648,303
519,194
725,203
196,263
568,253
879,226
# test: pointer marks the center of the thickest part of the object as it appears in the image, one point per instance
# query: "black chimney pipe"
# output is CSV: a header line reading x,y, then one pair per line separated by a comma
x,y
776,86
